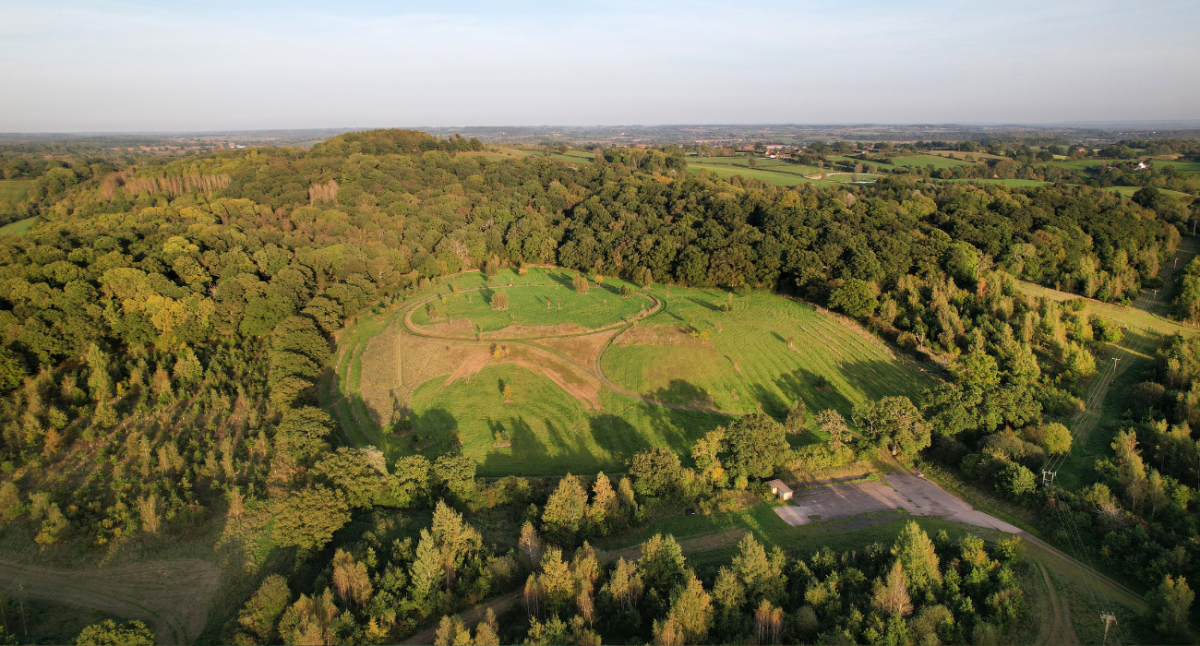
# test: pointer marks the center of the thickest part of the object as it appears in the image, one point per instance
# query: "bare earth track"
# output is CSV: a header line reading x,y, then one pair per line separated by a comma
x,y
173,597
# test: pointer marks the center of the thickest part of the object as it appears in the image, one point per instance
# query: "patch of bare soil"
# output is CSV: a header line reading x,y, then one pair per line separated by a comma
x,y
671,335
584,349
458,327
534,331
172,596
426,359
471,366
581,385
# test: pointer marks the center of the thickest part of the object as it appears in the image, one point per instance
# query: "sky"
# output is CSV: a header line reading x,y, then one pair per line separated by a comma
x,y
130,66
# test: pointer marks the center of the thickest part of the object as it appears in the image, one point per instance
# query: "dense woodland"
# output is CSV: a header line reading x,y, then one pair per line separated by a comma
x,y
165,324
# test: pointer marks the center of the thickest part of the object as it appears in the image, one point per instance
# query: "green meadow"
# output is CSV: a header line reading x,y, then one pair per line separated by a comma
x,y
14,190
763,355
566,403
540,305
926,160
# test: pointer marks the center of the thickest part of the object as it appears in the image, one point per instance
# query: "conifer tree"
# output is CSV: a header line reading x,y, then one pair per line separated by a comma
x,y
565,511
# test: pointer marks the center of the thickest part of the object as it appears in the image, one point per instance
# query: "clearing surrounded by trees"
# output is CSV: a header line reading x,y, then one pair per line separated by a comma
x,y
566,381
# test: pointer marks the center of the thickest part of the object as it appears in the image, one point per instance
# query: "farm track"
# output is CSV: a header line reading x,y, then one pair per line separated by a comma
x,y
173,596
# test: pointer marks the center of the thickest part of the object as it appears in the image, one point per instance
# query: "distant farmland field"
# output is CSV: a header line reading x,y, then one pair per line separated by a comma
x,y
926,160
726,171
14,190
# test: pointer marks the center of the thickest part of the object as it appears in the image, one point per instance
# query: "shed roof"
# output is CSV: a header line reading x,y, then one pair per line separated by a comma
x,y
779,486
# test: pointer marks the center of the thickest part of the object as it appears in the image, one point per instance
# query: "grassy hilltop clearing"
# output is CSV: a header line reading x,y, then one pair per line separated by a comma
x,y
565,381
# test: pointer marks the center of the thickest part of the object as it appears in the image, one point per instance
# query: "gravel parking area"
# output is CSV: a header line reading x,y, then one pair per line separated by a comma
x,y
916,495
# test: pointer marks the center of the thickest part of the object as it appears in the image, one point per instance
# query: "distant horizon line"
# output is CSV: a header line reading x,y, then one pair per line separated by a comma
x,y
1093,124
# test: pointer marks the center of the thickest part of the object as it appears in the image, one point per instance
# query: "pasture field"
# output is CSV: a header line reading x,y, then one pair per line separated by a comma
x,y
544,305
14,190
1128,191
1181,165
795,169
548,396
853,160
18,228
764,355
848,178
926,160
576,156
771,177
1078,164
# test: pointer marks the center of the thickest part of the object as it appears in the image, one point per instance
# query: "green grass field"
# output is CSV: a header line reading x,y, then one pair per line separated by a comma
x,y
548,431
728,170
848,178
926,160
1182,165
18,228
536,305
1078,164
560,416
854,160
1128,191
14,190
746,362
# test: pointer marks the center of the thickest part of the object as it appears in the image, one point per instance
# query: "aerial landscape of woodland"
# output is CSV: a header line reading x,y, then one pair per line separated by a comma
x,y
729,379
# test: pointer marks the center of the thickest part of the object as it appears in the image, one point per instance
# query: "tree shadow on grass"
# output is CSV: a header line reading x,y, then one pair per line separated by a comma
x,y
704,304
816,392
561,277
437,424
555,452
679,429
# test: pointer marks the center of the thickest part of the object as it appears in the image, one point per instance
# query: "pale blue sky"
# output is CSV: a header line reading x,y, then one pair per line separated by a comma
x,y
130,66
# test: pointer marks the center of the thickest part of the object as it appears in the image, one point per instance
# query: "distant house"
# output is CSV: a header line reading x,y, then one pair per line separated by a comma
x,y
1141,166
779,489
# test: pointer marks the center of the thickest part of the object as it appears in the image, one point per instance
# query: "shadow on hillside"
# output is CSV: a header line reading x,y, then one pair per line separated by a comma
x,y
437,424
679,429
817,393
704,304
558,452
561,277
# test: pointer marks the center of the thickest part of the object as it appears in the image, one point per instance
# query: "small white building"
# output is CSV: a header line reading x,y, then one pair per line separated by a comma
x,y
779,489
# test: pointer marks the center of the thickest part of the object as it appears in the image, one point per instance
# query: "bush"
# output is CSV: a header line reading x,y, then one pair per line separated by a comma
x,y
1015,481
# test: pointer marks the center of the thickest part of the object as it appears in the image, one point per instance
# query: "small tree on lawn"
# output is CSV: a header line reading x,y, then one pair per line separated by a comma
x,y
500,301
580,283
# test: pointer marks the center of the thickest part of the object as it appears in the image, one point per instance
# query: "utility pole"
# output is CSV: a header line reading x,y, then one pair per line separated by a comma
x,y
1108,620
1048,478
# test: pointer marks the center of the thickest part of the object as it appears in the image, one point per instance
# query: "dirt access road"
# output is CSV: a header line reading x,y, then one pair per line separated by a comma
x,y
172,597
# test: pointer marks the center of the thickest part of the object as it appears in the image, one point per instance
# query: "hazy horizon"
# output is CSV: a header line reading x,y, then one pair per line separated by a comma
x,y
134,67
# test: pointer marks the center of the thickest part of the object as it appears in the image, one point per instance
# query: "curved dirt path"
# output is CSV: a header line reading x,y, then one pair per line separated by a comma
x,y
594,370
172,596
413,328
1060,630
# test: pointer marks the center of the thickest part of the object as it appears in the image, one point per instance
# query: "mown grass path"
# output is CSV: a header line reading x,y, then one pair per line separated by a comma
x,y
173,596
